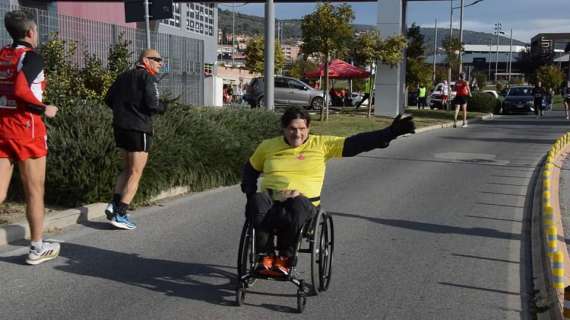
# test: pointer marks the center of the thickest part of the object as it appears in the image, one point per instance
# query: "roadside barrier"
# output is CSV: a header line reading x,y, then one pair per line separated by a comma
x,y
556,250
552,241
558,270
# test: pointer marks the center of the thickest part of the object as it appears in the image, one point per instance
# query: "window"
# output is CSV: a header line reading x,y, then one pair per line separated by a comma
x,y
281,83
294,84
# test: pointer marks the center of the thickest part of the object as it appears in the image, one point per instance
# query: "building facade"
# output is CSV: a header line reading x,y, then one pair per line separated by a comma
x,y
187,41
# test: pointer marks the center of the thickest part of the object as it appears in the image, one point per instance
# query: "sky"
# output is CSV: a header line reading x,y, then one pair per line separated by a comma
x,y
525,17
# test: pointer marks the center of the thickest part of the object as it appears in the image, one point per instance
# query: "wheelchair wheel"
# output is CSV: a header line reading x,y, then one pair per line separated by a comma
x,y
240,294
326,253
246,255
315,249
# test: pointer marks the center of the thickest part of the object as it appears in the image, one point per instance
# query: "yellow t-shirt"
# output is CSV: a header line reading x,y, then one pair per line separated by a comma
x,y
301,168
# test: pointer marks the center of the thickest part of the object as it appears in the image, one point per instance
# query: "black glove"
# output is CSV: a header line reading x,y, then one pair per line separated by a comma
x,y
403,125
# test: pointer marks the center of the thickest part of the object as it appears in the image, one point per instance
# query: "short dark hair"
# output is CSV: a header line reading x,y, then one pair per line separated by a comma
x,y
293,113
18,23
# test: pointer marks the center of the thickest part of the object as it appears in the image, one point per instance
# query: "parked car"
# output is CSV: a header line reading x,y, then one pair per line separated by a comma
x,y
434,99
518,99
288,91
492,93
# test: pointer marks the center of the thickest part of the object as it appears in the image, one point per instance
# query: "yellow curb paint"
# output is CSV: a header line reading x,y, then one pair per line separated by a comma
x,y
558,270
548,216
551,235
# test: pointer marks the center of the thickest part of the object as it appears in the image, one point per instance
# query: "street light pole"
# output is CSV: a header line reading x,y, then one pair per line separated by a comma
x,y
450,41
269,54
498,28
511,56
461,38
434,52
489,62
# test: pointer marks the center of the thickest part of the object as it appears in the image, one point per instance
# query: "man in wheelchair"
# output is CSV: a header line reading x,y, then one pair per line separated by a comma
x,y
293,168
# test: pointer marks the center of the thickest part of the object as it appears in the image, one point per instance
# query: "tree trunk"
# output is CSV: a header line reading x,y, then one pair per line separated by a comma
x,y
325,108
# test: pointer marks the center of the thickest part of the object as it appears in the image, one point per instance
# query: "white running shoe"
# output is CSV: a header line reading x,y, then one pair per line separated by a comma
x,y
110,211
464,125
48,251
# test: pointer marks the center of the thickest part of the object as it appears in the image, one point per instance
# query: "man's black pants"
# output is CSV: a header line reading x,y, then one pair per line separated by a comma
x,y
285,218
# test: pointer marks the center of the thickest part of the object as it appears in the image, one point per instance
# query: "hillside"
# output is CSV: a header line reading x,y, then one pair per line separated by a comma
x,y
254,25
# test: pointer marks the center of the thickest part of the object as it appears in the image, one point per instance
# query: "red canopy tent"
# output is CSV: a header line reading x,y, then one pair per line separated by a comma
x,y
339,69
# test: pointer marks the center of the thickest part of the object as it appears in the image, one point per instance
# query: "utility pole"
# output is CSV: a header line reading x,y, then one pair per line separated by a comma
x,y
269,54
450,41
434,52
233,35
461,38
489,62
147,23
511,56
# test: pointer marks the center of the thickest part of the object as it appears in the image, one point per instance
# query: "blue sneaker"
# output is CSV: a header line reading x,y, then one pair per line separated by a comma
x,y
123,222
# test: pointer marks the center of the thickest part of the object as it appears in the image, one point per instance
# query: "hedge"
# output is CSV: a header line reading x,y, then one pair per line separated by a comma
x,y
196,147
481,102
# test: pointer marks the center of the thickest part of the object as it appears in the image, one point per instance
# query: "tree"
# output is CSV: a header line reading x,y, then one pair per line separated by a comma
x,y
452,49
254,55
369,48
300,66
417,71
327,32
415,42
550,76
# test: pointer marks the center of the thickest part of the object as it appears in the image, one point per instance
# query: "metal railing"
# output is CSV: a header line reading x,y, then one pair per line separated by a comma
x,y
184,56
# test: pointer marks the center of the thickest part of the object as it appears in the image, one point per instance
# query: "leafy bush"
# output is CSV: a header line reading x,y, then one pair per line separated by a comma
x,y
481,102
193,147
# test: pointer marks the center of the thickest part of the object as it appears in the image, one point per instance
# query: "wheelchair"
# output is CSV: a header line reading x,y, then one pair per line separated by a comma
x,y
316,238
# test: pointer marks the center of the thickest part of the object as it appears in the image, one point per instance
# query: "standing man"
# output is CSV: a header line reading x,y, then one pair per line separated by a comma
x,y
422,98
23,135
460,100
539,95
134,99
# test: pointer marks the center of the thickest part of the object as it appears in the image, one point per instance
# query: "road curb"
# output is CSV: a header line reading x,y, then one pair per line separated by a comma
x,y
489,116
10,233
549,301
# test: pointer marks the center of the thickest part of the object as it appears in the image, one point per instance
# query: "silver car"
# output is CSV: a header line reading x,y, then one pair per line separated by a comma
x,y
288,92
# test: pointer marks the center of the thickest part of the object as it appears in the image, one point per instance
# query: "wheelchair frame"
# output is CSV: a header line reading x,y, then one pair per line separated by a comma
x,y
316,238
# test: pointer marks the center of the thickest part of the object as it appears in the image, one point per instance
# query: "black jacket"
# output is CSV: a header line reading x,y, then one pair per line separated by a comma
x,y
134,98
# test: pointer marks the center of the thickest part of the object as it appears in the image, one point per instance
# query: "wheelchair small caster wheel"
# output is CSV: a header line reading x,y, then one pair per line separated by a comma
x,y
240,294
301,301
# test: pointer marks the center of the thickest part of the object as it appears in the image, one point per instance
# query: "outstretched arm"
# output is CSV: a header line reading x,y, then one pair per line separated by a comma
x,y
367,141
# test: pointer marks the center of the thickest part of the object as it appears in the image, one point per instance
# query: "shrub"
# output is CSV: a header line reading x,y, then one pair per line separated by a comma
x,y
480,102
195,147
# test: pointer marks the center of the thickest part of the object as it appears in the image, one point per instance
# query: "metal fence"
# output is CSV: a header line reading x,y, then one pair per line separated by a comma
x,y
184,56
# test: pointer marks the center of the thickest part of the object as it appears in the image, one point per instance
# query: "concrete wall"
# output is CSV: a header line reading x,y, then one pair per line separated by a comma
x,y
390,87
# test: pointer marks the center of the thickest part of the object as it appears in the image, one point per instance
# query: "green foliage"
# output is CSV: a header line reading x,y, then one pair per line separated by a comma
x,y
481,79
120,58
481,102
415,42
418,72
254,55
452,49
327,30
67,82
550,76
369,47
198,148
300,66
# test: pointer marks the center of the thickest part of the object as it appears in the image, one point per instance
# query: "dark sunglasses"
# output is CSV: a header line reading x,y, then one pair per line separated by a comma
x,y
157,59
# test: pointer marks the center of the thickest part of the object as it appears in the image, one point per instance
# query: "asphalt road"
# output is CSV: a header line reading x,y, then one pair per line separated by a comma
x,y
430,228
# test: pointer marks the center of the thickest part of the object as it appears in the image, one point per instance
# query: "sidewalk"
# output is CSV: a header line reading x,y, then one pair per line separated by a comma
x,y
56,221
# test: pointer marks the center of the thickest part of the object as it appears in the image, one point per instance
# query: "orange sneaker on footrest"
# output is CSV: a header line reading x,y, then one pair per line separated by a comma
x,y
265,265
281,265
